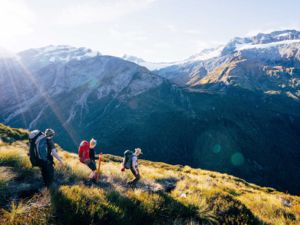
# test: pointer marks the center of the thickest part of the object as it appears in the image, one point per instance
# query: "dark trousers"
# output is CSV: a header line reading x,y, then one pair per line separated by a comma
x,y
91,164
47,170
136,176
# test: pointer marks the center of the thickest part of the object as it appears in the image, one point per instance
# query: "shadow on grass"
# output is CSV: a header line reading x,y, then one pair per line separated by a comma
x,y
82,205
151,208
168,184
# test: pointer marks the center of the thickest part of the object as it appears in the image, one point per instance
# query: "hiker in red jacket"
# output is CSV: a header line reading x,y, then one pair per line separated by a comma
x,y
87,156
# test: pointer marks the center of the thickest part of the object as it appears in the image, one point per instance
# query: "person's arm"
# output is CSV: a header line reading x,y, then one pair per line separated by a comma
x,y
55,155
53,150
123,165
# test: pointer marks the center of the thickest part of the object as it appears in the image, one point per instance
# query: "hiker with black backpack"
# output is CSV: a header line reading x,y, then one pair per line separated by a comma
x,y
86,153
130,161
41,153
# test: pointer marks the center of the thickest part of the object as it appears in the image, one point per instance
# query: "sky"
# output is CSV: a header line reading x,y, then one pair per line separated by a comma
x,y
155,30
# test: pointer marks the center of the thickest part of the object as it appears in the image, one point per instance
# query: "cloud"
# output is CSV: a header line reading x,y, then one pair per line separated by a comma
x,y
100,11
15,19
200,45
271,28
193,32
132,36
171,27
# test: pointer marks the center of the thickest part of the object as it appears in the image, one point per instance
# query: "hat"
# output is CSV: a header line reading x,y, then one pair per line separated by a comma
x,y
93,143
138,151
49,133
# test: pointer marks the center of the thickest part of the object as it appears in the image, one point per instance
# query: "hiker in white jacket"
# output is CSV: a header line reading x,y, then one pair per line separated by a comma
x,y
133,161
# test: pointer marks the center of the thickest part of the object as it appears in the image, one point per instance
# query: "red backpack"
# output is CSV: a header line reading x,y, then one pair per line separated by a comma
x,y
84,151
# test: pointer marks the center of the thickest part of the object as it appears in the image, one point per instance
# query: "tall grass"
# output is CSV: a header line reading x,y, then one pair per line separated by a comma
x,y
195,197
8,134
35,211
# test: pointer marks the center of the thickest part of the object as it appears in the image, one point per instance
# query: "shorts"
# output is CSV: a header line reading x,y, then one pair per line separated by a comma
x,y
91,164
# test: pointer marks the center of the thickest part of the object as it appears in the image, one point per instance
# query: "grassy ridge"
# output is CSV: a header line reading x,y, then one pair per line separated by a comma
x,y
167,194
8,134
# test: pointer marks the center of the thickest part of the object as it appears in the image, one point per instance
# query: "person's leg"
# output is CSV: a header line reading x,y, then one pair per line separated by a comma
x,y
50,174
47,170
92,165
136,177
44,173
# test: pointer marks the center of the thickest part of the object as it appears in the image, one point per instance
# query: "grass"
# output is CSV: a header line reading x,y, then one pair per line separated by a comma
x,y
167,194
114,207
273,209
9,135
35,211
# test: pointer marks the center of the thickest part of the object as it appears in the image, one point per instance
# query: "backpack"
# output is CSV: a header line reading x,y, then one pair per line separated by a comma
x,y
84,151
38,150
128,159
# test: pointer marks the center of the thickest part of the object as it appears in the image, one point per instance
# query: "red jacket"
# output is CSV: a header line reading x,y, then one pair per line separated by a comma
x,y
84,151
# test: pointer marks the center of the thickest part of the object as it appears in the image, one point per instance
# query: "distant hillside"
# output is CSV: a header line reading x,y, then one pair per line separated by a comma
x,y
170,195
267,63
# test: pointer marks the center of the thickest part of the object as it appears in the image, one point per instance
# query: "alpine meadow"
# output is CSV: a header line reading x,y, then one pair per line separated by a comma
x,y
149,112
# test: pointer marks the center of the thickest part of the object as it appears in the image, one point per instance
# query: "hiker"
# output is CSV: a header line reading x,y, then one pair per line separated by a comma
x,y
130,162
87,156
41,152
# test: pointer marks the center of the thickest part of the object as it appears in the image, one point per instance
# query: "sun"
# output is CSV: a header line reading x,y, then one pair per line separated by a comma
x,y
15,20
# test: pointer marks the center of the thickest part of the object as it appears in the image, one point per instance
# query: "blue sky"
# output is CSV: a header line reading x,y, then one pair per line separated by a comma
x,y
156,30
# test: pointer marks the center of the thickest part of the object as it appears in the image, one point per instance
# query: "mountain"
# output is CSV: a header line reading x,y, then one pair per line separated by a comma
x,y
40,57
102,96
154,66
262,40
166,194
50,73
234,111
148,65
266,62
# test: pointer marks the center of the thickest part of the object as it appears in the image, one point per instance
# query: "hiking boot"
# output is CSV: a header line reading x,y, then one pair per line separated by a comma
x,y
131,184
88,183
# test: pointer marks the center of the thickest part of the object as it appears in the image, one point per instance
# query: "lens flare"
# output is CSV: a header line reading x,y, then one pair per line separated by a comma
x,y
27,75
237,159
217,148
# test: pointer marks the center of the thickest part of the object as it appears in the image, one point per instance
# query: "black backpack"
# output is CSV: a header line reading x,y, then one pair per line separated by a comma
x,y
128,159
38,151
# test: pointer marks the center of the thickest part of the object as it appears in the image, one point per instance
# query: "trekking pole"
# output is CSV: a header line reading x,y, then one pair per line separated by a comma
x,y
99,164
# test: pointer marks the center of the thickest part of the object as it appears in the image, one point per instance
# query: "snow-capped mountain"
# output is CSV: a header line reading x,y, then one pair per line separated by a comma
x,y
205,54
262,40
274,39
266,62
149,65
40,57
102,76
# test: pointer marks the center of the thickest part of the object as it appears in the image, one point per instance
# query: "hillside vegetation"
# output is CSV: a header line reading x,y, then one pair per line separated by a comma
x,y
167,194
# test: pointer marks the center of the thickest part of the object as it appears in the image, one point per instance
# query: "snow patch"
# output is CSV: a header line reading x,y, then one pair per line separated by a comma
x,y
284,34
207,54
64,53
268,45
